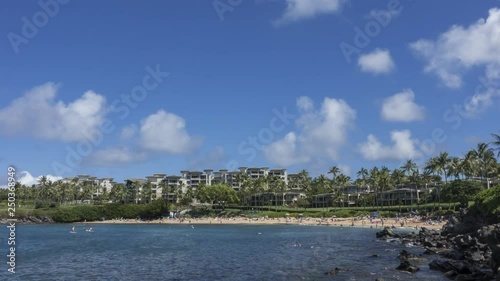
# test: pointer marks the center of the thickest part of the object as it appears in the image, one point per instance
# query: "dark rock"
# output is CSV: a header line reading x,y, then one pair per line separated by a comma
x,y
451,274
379,279
477,276
441,244
444,265
429,252
405,256
333,271
430,244
468,225
387,232
491,236
406,266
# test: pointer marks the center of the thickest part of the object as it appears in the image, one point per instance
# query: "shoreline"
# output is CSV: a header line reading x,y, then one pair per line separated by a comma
x,y
341,222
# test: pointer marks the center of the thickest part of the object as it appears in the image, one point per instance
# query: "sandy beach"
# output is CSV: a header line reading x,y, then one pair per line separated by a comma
x,y
346,222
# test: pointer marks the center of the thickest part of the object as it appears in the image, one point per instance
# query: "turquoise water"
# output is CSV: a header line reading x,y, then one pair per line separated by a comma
x,y
206,252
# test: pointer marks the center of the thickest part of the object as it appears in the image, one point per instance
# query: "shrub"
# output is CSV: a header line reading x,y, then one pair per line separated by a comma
x,y
489,200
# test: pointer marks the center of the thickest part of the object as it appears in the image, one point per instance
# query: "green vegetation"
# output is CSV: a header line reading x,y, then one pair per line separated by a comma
x,y
217,194
77,213
461,191
489,201
453,180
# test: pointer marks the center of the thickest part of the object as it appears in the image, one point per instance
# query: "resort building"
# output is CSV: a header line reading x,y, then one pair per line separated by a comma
x,y
194,179
170,187
401,196
279,173
156,181
293,181
99,185
275,199
353,193
220,177
255,173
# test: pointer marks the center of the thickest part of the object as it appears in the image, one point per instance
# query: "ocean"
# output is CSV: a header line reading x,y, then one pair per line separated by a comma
x,y
205,252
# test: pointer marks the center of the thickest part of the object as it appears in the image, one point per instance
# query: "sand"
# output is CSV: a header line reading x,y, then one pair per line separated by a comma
x,y
346,222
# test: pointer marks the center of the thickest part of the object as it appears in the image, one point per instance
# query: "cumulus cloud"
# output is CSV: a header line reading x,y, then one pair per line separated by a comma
x,y
320,133
377,62
297,10
128,131
403,147
25,178
166,132
37,113
402,107
284,152
161,132
115,157
461,48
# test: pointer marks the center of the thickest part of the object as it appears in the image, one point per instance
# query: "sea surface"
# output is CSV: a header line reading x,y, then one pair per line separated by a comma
x,y
205,252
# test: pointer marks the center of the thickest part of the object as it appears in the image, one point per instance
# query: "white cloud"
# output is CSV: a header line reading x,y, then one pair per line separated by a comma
x,y
461,48
402,107
115,157
305,104
377,62
403,147
27,179
38,114
128,131
166,132
297,10
320,134
284,152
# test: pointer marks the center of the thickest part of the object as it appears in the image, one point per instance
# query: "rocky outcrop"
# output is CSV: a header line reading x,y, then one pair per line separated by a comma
x,y
386,233
406,266
468,246
30,220
491,236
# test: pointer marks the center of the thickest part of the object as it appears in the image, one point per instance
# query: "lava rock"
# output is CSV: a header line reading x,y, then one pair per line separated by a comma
x,y
406,266
387,232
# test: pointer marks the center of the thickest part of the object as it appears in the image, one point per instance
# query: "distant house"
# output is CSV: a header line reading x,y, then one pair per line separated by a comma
x,y
403,196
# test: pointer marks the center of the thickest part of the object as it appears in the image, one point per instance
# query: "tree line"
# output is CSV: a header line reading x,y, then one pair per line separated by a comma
x,y
479,164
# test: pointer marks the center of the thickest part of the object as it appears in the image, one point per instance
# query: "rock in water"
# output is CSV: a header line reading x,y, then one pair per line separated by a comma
x,y
406,266
387,232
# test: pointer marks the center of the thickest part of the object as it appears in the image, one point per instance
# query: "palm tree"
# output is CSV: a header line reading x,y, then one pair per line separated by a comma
x,y
334,170
304,180
484,154
496,143
398,176
408,167
469,164
456,167
362,174
372,181
147,191
442,164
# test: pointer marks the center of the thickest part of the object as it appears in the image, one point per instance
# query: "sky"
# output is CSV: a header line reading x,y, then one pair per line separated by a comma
x,y
125,89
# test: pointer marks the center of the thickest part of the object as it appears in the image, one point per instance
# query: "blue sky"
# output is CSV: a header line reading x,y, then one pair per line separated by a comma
x,y
202,77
